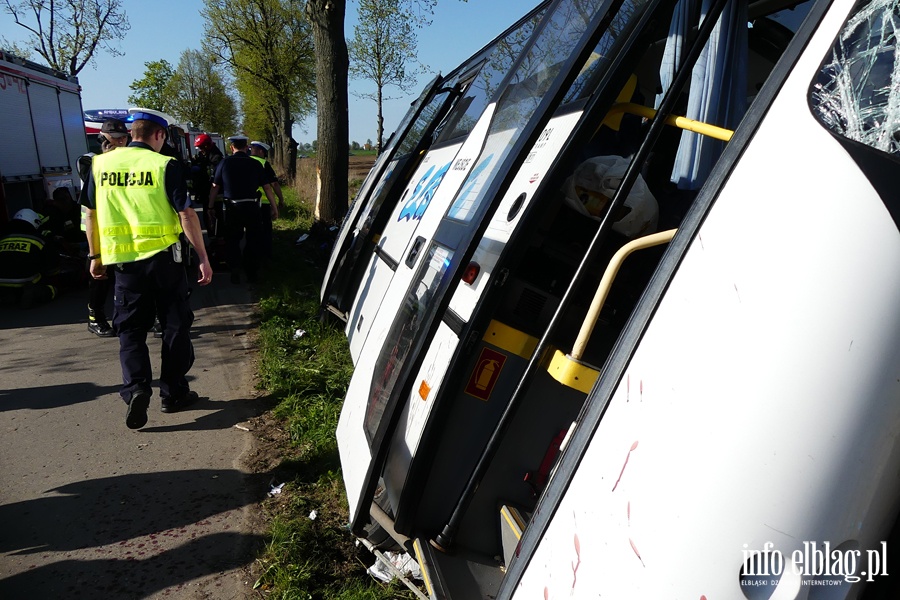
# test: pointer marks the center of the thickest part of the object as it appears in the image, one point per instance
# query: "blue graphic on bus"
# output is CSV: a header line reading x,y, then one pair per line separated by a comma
x,y
415,206
471,181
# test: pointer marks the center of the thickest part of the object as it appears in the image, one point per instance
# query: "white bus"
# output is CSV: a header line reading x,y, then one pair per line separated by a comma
x,y
652,348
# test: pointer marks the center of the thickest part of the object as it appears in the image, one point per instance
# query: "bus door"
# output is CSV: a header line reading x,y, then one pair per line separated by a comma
x,y
464,121
565,38
384,168
431,188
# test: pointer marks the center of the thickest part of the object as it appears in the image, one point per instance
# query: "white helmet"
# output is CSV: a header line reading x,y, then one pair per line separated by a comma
x,y
29,216
592,186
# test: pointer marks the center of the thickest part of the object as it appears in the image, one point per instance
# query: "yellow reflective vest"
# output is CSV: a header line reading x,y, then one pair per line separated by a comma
x,y
134,216
263,199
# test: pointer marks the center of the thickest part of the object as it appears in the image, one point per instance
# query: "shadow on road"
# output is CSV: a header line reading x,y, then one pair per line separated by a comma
x,y
51,396
133,576
149,531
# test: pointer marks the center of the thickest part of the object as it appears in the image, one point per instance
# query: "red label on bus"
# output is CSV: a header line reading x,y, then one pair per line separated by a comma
x,y
486,373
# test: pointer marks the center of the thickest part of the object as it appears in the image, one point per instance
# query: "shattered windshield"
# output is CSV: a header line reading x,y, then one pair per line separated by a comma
x,y
857,92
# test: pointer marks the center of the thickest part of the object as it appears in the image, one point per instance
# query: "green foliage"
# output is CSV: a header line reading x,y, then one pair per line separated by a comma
x,y
268,46
308,374
150,90
197,94
67,34
16,49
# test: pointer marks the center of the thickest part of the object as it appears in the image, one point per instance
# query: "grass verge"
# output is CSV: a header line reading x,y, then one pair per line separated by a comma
x,y
305,367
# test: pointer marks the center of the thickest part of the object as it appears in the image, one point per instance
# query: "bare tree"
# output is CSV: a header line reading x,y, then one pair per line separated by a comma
x,y
67,33
383,46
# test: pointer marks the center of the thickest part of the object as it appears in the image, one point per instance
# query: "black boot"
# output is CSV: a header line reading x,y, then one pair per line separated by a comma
x,y
98,325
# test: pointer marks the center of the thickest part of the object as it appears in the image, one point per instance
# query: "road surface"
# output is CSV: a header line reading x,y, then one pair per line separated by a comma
x,y
91,509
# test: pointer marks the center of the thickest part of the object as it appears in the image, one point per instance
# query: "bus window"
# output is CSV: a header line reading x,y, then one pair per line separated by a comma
x,y
411,315
854,95
523,95
469,108
607,48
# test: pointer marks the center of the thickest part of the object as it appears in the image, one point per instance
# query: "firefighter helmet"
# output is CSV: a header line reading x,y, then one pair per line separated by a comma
x,y
34,219
203,141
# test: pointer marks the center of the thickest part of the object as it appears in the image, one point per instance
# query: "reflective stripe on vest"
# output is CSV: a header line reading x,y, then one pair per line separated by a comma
x,y
134,215
263,199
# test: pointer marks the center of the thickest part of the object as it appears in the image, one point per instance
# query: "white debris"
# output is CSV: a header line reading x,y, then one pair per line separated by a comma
x,y
313,515
403,563
276,489
299,334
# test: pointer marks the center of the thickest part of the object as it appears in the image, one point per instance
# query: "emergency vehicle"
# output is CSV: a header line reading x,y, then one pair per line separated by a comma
x,y
181,136
648,347
93,120
41,111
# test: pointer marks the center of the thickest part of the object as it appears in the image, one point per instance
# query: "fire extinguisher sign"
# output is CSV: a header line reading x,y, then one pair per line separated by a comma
x,y
485,374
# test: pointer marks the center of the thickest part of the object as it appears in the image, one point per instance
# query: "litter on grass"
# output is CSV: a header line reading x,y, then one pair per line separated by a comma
x,y
404,563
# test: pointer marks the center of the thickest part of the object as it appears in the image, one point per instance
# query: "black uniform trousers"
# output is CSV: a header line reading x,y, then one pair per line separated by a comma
x,y
241,218
144,289
98,292
265,232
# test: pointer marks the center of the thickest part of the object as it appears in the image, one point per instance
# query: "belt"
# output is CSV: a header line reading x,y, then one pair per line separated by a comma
x,y
238,201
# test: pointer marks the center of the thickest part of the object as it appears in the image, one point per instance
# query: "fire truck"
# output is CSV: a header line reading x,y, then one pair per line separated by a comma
x,y
42,114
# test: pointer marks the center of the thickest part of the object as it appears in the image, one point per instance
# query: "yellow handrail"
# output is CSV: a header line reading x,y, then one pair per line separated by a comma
x,y
612,269
700,127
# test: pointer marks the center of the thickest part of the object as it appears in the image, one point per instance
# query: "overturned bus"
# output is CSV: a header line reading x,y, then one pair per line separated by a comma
x,y
633,332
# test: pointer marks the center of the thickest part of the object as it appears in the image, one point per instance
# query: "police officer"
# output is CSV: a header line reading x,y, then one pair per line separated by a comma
x,y
268,212
137,207
113,135
238,177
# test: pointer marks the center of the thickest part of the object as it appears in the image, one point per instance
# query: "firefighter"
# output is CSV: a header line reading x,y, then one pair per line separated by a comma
x,y
268,212
28,260
113,134
137,206
238,177
205,164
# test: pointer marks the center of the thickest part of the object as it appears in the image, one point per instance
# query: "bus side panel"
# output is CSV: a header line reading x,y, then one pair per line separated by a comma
x,y
418,214
417,410
762,402
353,446
351,225
501,226
400,229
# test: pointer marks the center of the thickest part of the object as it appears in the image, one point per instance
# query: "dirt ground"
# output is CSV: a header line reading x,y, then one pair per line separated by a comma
x,y
360,166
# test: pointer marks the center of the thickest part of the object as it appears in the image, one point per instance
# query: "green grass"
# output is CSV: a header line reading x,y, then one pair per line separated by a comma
x,y
306,375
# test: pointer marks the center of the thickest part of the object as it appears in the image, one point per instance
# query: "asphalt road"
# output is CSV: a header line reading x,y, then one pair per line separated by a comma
x,y
91,509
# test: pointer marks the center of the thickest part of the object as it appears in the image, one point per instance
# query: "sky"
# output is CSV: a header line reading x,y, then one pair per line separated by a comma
x,y
458,30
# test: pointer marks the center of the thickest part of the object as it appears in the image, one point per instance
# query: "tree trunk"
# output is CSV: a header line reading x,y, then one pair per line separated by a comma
x,y
380,121
333,129
284,141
